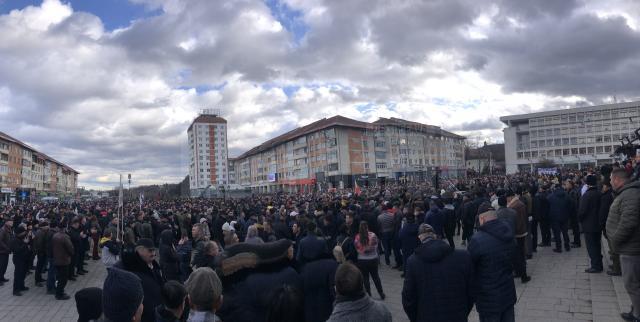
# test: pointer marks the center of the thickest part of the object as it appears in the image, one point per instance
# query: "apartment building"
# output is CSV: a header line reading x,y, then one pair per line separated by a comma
x,y
576,137
338,151
26,173
208,167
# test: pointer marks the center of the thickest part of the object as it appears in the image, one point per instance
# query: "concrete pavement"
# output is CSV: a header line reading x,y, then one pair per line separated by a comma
x,y
559,291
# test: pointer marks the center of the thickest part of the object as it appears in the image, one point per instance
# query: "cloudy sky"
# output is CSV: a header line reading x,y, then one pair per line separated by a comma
x,y
111,86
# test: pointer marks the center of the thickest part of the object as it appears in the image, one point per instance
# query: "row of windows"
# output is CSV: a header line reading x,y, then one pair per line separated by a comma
x,y
585,116
607,149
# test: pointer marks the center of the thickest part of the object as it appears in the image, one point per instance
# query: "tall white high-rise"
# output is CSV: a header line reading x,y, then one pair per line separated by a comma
x,y
208,167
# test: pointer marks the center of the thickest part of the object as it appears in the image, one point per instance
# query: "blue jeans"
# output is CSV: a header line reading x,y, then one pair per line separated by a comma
x,y
51,275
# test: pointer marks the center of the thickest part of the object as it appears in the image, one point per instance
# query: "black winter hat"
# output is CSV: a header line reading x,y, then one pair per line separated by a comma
x,y
591,180
89,303
121,295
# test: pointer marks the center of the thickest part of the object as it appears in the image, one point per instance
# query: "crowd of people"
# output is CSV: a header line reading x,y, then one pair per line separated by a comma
x,y
311,256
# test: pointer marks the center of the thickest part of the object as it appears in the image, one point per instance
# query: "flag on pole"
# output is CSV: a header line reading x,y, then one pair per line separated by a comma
x,y
120,196
120,210
357,189
141,200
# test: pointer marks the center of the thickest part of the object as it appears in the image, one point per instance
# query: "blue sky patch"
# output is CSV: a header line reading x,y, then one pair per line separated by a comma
x,y
290,19
203,88
113,13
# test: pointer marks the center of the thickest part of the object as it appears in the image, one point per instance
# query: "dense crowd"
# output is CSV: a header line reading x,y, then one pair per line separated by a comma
x,y
310,257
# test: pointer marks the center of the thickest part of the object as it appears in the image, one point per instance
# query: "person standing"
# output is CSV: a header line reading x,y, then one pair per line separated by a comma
x,y
367,246
387,225
40,249
588,216
5,249
437,285
559,208
491,250
63,253
21,255
623,230
514,203
574,196
606,198
311,246
541,218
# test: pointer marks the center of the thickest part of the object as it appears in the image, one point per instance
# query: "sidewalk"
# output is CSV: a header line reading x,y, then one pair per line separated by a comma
x,y
35,305
559,291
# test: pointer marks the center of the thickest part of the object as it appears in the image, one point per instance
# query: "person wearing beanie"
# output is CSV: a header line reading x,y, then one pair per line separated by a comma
x,y
122,296
589,218
205,295
437,281
89,304
491,250
20,250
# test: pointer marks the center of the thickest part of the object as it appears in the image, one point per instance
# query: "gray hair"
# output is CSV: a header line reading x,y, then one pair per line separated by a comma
x,y
252,231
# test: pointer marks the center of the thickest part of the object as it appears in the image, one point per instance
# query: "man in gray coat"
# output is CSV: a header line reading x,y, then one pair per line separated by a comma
x,y
352,302
623,230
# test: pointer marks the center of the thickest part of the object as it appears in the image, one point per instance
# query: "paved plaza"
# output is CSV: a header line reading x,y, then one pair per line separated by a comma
x,y
559,291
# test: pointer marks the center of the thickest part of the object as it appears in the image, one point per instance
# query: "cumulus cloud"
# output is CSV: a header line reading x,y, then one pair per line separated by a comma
x,y
109,101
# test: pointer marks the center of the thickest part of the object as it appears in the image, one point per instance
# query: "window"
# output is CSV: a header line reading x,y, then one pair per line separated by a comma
x,y
381,165
332,167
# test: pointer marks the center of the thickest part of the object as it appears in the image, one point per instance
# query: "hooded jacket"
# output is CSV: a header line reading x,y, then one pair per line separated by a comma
x,y
437,285
623,223
491,250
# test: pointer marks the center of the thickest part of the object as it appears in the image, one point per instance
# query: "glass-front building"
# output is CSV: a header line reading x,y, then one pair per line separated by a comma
x,y
576,137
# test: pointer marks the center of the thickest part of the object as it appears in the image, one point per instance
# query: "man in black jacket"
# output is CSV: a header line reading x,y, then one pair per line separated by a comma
x,y
144,265
541,218
574,197
491,249
438,280
20,251
588,215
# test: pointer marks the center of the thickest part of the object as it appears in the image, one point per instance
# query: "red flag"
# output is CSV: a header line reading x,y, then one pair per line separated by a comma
x,y
357,190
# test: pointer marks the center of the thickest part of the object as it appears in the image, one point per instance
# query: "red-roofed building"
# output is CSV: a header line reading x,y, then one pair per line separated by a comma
x,y
336,151
28,173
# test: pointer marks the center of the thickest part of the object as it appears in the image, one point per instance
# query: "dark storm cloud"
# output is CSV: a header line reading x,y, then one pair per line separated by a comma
x,y
487,124
584,55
